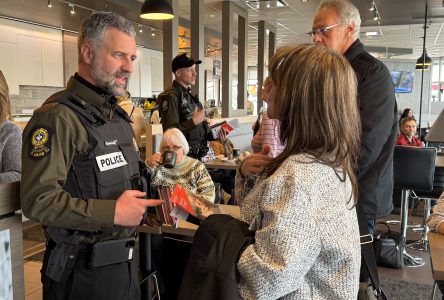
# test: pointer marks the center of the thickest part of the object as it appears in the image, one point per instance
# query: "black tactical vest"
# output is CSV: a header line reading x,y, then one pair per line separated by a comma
x,y
198,136
112,165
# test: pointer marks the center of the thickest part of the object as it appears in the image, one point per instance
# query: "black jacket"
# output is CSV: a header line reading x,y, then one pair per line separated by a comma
x,y
378,110
211,272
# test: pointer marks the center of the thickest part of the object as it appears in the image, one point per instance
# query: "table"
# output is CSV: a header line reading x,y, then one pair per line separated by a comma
x,y
221,164
436,242
184,229
439,163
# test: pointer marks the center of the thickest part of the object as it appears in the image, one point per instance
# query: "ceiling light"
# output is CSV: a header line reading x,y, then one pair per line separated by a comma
x,y
140,29
73,12
153,33
372,7
372,33
49,3
423,62
156,10
376,16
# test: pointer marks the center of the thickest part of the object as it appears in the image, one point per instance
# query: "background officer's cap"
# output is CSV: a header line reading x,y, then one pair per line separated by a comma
x,y
183,61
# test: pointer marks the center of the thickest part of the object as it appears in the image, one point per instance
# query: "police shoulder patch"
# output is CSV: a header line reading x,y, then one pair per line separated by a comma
x,y
40,139
164,105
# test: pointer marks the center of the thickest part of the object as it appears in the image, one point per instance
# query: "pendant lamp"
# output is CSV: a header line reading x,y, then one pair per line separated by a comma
x,y
156,10
423,62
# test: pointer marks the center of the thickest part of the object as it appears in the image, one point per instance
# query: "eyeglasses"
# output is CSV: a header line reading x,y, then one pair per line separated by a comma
x,y
175,148
322,30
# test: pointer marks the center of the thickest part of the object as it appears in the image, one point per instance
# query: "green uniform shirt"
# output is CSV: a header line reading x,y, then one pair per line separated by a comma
x,y
51,139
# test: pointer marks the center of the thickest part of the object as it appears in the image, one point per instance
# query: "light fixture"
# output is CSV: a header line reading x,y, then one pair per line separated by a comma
x,y
73,12
423,62
140,29
156,10
376,16
183,40
372,33
49,3
153,33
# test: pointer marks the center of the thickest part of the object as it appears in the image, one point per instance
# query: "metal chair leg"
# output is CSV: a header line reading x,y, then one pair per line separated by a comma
x,y
434,289
409,260
423,243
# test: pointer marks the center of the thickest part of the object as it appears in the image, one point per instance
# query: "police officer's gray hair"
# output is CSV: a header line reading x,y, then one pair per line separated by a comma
x,y
348,13
94,28
175,136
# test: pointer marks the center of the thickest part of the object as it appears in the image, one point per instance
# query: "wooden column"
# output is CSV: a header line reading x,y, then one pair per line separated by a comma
x,y
197,45
170,47
262,37
229,9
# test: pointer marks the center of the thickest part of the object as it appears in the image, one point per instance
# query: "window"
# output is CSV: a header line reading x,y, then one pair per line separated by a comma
x,y
437,81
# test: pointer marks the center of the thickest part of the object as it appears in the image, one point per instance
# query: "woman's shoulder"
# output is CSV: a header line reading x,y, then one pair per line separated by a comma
x,y
10,128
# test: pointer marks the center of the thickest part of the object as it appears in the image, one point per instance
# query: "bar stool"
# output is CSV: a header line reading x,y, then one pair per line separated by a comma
x,y
438,187
413,169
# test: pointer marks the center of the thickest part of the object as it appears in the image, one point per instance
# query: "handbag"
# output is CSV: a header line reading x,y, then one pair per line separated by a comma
x,y
368,290
387,248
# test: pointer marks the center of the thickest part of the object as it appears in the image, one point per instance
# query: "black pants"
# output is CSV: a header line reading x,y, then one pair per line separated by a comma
x,y
441,287
116,281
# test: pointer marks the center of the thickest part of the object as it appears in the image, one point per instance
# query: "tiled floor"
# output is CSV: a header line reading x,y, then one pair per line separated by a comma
x,y
33,286
423,275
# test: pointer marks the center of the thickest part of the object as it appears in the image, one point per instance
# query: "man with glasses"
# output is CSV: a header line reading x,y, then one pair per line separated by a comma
x,y
336,26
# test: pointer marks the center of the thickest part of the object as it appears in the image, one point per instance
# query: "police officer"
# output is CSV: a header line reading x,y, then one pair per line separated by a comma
x,y
180,109
82,177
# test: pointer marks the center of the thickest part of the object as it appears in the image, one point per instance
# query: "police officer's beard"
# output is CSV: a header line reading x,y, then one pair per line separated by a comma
x,y
106,81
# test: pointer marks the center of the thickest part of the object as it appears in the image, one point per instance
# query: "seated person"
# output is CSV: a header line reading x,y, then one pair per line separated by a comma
x,y
224,177
406,113
187,172
408,132
10,138
436,224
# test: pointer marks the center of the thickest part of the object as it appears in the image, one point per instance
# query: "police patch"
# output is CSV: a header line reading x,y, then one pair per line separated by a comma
x,y
40,142
164,105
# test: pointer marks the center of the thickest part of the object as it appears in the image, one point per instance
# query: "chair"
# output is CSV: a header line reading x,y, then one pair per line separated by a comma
x,y
146,268
438,187
413,169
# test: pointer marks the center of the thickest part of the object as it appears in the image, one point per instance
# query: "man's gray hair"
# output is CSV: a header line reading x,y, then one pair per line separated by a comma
x,y
94,28
348,13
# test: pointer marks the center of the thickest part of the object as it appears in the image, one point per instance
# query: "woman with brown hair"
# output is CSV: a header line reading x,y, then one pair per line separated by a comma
x,y
10,138
302,210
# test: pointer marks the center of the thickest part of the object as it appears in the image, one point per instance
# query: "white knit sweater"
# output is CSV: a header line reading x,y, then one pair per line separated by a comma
x,y
437,217
189,173
307,236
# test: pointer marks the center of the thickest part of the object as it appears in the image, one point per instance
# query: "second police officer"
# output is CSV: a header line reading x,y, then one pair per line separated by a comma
x,y
180,109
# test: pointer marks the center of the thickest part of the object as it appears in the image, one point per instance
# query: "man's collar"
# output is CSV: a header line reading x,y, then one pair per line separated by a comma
x,y
178,85
90,89
354,50
89,92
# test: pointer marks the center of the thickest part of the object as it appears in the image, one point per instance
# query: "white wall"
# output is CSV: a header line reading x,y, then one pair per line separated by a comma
x,y
30,55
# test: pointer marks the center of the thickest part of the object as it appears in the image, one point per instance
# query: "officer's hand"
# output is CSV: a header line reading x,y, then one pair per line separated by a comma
x,y
131,206
255,163
154,161
198,116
